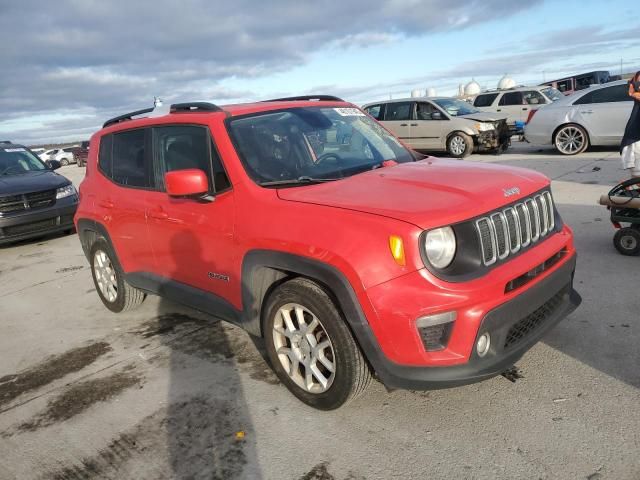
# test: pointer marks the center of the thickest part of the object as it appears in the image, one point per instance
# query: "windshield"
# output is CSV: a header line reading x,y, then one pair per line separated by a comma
x,y
18,160
552,93
316,143
454,107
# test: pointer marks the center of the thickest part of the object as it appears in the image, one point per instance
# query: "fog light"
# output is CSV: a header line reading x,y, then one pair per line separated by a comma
x,y
484,342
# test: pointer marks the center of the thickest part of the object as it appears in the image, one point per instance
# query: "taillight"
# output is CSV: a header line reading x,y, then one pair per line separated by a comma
x,y
531,114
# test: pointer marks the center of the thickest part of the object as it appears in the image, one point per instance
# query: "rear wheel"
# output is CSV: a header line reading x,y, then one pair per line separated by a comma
x,y
571,140
108,277
64,162
459,145
311,348
627,241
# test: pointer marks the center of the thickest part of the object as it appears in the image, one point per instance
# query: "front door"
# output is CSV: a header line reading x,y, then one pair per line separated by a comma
x,y
192,238
430,128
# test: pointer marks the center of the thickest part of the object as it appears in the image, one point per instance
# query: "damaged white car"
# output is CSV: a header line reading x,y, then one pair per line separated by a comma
x,y
594,116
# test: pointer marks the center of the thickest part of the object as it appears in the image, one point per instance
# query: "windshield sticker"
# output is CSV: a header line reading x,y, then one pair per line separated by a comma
x,y
349,112
14,150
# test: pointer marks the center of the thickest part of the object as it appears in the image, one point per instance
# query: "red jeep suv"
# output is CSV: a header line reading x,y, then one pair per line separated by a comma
x,y
305,222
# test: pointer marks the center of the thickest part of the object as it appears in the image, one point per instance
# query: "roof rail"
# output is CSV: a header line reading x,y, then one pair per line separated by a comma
x,y
194,107
126,116
318,98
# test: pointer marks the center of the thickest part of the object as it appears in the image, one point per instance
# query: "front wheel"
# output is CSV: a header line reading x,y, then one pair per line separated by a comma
x,y
64,162
114,291
571,140
627,241
311,348
459,145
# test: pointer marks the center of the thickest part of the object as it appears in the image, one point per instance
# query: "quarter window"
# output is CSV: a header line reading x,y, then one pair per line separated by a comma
x,y
130,163
398,111
484,100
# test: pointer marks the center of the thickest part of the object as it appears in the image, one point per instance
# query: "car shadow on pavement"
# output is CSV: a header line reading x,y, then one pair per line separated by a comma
x,y
208,425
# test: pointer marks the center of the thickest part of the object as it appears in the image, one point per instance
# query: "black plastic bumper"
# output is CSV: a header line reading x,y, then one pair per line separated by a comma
x,y
34,223
552,299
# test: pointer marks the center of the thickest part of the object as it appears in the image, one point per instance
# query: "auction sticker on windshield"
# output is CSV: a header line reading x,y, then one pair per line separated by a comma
x,y
349,112
9,150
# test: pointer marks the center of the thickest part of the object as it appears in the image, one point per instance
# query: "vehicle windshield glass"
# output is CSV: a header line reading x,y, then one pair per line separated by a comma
x,y
313,143
18,160
552,93
454,107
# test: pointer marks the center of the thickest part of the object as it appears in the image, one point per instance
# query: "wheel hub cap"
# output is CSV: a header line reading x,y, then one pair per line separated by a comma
x,y
105,276
304,348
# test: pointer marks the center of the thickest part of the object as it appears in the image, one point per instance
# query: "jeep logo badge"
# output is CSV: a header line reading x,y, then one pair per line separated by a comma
x,y
508,192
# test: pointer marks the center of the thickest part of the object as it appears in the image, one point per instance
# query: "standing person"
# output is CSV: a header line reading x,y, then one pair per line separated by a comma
x,y
630,146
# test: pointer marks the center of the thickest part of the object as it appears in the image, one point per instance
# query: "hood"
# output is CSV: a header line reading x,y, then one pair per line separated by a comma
x,y
31,182
428,194
484,117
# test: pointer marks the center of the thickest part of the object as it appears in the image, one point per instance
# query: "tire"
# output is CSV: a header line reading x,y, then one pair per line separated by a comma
x,y
351,374
627,241
459,145
571,139
64,162
116,294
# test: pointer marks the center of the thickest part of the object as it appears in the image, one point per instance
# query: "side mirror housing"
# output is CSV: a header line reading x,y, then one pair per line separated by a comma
x,y
53,164
186,183
436,116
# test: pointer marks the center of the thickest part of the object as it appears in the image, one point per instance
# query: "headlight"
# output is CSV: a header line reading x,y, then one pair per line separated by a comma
x,y
64,192
485,126
440,246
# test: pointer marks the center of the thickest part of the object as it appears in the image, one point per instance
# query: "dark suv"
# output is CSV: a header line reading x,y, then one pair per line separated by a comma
x,y
34,200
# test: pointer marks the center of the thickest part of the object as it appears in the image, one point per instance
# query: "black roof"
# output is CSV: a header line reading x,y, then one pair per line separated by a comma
x,y
10,144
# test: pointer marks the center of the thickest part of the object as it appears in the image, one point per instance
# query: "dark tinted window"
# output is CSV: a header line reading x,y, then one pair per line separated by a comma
x,y
398,111
511,98
130,160
375,111
184,147
616,93
565,85
484,100
104,156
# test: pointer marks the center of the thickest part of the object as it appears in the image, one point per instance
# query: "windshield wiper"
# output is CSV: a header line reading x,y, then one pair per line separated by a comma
x,y
304,180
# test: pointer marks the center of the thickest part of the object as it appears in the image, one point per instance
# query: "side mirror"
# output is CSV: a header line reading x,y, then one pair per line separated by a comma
x,y
186,183
53,164
436,116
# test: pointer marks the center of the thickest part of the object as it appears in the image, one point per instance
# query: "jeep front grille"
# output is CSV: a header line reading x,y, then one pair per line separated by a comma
x,y
505,232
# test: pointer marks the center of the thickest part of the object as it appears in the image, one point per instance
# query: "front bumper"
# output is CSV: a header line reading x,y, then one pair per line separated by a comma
x,y
531,314
37,222
500,138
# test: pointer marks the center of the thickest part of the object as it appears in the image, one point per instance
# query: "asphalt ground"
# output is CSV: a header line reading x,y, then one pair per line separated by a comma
x,y
166,392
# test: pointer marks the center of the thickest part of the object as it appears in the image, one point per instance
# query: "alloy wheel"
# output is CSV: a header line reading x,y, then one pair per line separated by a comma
x,y
105,276
304,348
570,140
458,145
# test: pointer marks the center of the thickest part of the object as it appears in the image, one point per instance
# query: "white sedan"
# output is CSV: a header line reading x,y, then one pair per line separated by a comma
x,y
594,116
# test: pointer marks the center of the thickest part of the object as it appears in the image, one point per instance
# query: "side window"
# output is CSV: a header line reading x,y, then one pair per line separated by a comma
x,y
129,159
375,111
104,155
426,111
565,85
511,98
585,99
485,100
181,147
533,98
616,93
398,111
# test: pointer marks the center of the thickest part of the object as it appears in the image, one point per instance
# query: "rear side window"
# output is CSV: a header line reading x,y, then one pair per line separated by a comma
x,y
398,111
511,98
485,100
104,156
129,160
375,111
181,147
616,93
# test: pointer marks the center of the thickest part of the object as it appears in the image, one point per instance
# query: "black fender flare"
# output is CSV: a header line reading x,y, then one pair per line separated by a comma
x,y
88,231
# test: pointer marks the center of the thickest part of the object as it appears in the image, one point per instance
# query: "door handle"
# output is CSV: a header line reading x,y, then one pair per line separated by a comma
x,y
498,110
158,214
586,111
525,108
414,124
403,125
106,204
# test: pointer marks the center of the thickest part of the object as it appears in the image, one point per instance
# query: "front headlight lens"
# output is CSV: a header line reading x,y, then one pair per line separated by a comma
x,y
64,192
440,246
485,126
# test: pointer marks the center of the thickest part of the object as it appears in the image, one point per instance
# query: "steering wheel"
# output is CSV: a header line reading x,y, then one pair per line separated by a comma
x,y
327,156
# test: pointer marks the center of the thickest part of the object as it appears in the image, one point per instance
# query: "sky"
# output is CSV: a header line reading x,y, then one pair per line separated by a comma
x,y
68,65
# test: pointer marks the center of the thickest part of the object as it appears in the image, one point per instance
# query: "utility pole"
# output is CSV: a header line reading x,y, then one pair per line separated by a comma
x,y
621,67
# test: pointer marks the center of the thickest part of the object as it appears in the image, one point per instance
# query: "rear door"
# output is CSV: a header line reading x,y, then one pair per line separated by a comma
x,y
430,127
604,113
398,117
124,162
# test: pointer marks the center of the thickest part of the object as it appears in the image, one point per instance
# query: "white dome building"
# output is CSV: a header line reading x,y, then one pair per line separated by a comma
x,y
472,88
506,82
431,92
416,93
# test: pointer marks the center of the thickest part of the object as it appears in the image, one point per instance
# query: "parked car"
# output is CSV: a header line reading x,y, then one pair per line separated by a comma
x,y
594,116
516,103
63,155
81,153
441,124
34,200
568,85
306,223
